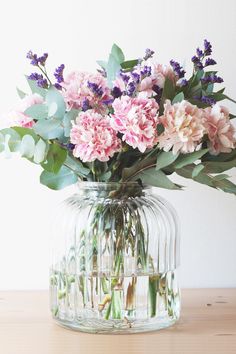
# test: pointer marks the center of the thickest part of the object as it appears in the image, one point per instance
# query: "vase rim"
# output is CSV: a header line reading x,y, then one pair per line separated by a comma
x,y
109,186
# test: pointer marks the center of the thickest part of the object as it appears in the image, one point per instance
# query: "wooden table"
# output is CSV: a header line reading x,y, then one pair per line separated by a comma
x,y
207,325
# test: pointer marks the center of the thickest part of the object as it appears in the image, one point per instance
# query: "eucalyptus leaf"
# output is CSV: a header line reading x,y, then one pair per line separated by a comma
x,y
21,94
56,103
56,156
35,88
37,111
178,98
186,159
49,128
117,53
218,167
102,63
165,159
113,66
225,185
27,146
76,166
156,178
60,180
12,139
197,169
40,151
67,121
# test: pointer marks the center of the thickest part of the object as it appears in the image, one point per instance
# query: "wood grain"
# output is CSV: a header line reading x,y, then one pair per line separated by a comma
x,y
207,325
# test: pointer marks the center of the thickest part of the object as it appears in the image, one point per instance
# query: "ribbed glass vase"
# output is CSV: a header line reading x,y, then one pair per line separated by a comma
x,y
115,260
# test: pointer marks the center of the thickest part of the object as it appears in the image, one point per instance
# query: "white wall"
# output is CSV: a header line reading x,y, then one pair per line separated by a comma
x,y
77,33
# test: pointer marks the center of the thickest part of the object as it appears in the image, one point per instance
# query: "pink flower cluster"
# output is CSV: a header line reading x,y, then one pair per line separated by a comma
x,y
220,131
186,124
18,117
94,138
183,127
136,118
85,89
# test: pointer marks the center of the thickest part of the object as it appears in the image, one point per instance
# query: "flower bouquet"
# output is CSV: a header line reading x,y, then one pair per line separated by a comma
x,y
132,124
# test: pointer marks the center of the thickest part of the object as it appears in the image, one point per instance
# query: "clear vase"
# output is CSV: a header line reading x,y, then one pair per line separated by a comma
x,y
115,260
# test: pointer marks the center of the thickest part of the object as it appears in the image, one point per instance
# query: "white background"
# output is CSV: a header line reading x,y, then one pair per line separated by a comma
x,y
77,33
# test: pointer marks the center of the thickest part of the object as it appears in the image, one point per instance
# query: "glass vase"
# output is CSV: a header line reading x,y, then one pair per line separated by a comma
x,y
115,260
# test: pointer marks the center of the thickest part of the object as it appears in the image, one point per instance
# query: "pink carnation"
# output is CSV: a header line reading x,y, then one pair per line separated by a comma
x,y
160,72
136,118
219,129
18,117
183,127
94,137
78,91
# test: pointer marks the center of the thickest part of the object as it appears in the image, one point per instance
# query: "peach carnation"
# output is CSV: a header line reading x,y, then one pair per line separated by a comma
x,y
219,129
94,138
136,118
183,127
84,90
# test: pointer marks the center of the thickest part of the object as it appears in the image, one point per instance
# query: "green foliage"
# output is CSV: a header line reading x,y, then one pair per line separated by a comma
x,y
113,66
156,178
21,94
129,64
165,159
117,53
55,158
35,89
63,178
37,111
55,102
178,98
187,159
49,128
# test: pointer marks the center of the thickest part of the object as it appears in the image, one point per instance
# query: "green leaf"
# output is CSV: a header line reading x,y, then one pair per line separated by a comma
x,y
218,167
156,178
187,172
104,177
77,166
130,172
27,146
37,111
117,53
129,64
56,103
2,142
102,63
40,151
187,159
60,180
113,67
56,156
12,139
68,117
49,128
21,94
168,89
197,169
35,89
225,185
165,159
178,98
221,96
220,177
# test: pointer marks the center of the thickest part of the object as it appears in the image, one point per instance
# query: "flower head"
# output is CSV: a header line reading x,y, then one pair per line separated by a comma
x,y
81,86
18,117
93,137
220,130
183,127
136,118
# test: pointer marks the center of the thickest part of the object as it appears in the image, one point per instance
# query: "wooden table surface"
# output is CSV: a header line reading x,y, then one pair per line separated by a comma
x,y
207,325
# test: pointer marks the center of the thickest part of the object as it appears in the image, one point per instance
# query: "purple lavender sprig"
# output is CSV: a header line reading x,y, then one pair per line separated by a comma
x,y
177,68
58,74
42,80
212,78
201,54
148,54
